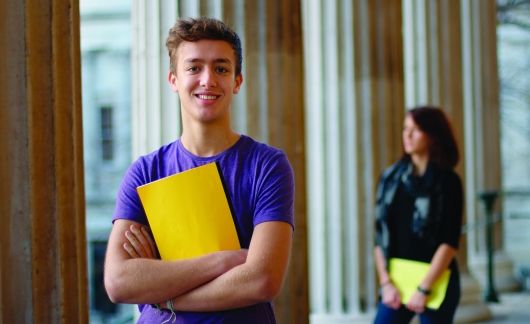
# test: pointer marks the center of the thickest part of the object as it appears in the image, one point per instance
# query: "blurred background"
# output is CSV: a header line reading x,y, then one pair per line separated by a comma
x,y
328,82
426,52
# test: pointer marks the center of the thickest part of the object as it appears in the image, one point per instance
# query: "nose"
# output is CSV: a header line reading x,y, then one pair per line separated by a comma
x,y
208,79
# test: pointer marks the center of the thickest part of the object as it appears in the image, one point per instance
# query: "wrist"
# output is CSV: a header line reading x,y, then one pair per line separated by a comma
x,y
423,291
385,282
162,306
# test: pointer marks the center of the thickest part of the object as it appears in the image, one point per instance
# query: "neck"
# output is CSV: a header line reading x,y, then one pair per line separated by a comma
x,y
208,142
420,163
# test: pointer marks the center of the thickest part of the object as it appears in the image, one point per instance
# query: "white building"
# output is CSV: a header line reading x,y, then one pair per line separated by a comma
x,y
106,74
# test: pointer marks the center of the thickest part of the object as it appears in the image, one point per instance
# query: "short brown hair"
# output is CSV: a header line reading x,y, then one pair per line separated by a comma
x,y
196,29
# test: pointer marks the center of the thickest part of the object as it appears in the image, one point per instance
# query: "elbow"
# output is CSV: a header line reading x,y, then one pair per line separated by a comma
x,y
114,287
269,288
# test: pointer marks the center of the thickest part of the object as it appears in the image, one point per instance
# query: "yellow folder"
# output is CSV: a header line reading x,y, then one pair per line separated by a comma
x,y
188,213
406,276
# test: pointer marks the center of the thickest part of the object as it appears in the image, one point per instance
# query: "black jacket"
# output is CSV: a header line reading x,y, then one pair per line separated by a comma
x,y
443,190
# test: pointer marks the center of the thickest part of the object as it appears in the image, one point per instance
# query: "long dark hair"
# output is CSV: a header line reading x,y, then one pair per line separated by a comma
x,y
432,121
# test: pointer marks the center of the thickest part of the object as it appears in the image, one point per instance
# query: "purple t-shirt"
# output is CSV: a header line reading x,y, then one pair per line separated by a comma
x,y
259,184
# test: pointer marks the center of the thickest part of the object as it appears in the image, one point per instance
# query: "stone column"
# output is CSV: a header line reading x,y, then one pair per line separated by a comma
x,y
269,106
482,136
354,112
43,251
434,76
155,108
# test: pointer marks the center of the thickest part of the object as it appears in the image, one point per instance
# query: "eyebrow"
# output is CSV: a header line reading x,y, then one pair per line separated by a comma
x,y
218,60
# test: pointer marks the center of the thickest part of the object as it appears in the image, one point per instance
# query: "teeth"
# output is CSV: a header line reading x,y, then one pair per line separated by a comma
x,y
206,97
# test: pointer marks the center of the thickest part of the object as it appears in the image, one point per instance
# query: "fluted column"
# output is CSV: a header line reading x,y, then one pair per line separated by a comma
x,y
269,106
155,108
434,76
482,136
43,251
354,112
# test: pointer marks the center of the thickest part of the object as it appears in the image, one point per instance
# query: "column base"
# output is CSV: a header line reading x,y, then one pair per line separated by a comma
x,y
471,308
503,271
367,318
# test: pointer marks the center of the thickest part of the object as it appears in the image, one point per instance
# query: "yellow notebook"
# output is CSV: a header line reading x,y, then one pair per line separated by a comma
x,y
188,213
406,276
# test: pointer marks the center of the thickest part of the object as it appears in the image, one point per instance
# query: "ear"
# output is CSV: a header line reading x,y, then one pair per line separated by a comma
x,y
239,81
172,80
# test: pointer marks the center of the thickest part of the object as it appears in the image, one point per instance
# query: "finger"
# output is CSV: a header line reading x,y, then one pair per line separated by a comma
x,y
391,302
133,241
387,301
415,308
132,252
396,300
149,237
142,247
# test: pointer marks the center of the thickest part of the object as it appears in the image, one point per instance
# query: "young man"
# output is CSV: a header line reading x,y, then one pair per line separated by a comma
x,y
226,286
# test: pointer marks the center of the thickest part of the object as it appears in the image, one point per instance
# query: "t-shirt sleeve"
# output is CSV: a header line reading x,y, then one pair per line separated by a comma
x,y
275,196
453,207
128,204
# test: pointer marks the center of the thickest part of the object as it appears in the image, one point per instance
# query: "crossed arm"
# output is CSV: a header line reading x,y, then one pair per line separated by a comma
x,y
217,281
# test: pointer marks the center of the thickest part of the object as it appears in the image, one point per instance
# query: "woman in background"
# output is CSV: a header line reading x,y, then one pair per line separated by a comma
x,y
419,217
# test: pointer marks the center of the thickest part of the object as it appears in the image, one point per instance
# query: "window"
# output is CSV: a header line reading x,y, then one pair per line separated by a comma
x,y
107,134
99,300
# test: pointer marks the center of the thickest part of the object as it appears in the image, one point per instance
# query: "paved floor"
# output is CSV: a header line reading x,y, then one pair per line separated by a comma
x,y
513,308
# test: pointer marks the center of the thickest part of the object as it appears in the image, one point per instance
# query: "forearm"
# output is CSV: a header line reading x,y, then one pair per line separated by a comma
x,y
144,280
152,281
389,293
380,264
439,263
236,288
257,280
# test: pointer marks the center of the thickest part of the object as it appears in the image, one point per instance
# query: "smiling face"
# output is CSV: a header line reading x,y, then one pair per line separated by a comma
x,y
415,141
205,80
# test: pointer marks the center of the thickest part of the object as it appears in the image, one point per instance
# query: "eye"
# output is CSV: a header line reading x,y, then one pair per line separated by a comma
x,y
221,69
192,69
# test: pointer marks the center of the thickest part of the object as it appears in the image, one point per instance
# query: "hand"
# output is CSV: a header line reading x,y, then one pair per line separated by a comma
x,y
140,243
233,258
391,296
417,302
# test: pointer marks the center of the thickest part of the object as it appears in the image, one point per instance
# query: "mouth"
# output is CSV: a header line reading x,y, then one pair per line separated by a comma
x,y
203,96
